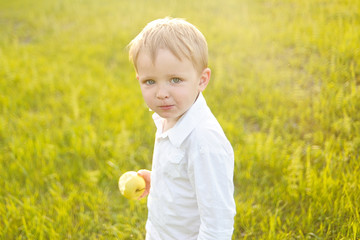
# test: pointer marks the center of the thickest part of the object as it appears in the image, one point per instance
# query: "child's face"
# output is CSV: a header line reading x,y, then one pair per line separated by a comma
x,y
169,85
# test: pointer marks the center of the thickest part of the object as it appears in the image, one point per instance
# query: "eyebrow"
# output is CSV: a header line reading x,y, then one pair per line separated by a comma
x,y
172,75
175,75
145,78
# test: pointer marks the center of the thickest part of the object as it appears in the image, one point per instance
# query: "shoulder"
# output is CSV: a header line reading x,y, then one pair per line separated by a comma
x,y
208,134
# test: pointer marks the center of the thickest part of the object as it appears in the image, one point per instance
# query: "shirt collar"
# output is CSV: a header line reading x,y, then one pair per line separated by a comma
x,y
185,124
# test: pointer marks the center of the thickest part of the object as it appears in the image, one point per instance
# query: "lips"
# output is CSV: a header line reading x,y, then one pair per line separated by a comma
x,y
166,107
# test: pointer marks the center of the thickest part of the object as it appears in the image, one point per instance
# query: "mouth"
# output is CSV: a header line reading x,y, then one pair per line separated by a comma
x,y
166,107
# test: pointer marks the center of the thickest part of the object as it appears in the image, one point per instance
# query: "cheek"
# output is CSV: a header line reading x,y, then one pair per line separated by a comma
x,y
185,95
147,95
145,91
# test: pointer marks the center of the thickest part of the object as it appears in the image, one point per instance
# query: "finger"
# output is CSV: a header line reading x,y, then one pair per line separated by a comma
x,y
145,193
146,174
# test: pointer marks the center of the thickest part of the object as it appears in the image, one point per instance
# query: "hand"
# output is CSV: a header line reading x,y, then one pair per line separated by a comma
x,y
146,174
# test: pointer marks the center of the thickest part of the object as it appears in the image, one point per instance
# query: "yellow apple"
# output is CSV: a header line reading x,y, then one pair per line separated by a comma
x,y
131,185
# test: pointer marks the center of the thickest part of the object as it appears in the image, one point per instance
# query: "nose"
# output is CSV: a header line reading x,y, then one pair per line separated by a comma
x,y
162,92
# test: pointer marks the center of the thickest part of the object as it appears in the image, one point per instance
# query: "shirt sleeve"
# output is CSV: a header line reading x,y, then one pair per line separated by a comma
x,y
211,168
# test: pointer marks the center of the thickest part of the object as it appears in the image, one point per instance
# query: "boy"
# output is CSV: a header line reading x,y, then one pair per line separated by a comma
x,y
190,186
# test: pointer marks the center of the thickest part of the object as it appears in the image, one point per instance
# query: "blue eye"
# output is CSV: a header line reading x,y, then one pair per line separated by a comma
x,y
175,80
149,82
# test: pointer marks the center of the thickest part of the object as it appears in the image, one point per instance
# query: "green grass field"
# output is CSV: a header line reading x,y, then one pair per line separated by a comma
x,y
285,87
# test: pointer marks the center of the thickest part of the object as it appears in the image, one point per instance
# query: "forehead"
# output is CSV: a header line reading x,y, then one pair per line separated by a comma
x,y
161,56
164,62
153,53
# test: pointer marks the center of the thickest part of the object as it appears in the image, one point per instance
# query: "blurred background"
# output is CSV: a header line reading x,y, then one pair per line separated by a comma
x,y
285,87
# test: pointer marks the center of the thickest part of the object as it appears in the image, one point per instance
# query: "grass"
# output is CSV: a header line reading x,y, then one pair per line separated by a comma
x,y
285,87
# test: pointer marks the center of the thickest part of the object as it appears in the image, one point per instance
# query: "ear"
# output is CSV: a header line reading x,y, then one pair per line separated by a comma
x,y
137,76
204,79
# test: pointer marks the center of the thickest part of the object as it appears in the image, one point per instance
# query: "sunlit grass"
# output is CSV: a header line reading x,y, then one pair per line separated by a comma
x,y
285,87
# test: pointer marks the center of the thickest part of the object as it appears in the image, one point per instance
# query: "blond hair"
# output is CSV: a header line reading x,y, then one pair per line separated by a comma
x,y
174,34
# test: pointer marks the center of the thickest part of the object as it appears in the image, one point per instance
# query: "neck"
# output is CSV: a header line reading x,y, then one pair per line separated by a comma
x,y
168,124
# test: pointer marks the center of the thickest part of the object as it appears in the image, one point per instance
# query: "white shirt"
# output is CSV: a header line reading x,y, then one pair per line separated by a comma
x,y
191,195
